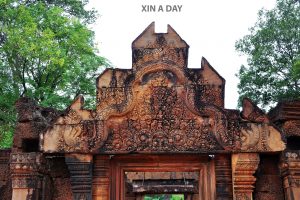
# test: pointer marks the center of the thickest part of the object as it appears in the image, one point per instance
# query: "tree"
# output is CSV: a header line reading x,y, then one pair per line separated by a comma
x,y
46,53
296,69
273,50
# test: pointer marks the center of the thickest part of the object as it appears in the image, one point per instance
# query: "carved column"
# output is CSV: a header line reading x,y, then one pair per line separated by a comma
x,y
80,168
244,166
290,172
27,179
101,178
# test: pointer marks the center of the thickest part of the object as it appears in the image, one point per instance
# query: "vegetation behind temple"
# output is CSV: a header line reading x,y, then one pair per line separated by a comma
x,y
46,53
164,196
273,50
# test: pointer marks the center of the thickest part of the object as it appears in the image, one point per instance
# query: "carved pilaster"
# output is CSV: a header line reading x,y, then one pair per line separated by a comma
x,y
223,177
80,168
27,175
244,166
290,172
101,178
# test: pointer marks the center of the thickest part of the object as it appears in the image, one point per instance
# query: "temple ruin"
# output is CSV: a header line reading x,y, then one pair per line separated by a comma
x,y
159,128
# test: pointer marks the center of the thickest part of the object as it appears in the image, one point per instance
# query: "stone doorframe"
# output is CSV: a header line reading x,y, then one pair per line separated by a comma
x,y
155,163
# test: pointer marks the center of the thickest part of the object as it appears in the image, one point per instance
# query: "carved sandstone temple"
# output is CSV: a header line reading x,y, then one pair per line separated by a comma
x,y
158,128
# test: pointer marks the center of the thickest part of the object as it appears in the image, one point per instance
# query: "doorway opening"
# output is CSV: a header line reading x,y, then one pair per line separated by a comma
x,y
142,176
161,185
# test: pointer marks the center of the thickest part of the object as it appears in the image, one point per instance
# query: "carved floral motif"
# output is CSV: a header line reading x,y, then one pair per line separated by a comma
x,y
160,105
161,121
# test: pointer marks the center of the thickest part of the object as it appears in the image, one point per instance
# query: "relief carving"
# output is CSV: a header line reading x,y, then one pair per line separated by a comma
x,y
161,121
28,172
260,137
160,105
27,162
76,131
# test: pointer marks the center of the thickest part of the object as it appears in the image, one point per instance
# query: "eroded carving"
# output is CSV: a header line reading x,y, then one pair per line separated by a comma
x,y
161,121
160,105
260,137
28,175
77,131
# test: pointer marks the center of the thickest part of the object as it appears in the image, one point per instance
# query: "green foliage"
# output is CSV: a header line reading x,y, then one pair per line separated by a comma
x,y
164,196
273,50
296,70
177,197
46,53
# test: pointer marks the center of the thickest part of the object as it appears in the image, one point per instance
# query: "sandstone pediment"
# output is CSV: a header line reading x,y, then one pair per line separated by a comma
x,y
161,105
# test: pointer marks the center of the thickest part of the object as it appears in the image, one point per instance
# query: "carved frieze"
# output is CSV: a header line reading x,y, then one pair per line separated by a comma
x,y
27,162
160,105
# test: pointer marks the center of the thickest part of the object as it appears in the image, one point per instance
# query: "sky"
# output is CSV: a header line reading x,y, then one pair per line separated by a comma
x,y
210,27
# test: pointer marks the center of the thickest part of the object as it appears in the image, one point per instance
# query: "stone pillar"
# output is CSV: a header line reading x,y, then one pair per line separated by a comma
x,y
290,172
80,168
101,178
27,175
244,166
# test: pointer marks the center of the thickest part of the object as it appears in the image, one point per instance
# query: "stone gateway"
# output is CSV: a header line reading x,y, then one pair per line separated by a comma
x,y
158,129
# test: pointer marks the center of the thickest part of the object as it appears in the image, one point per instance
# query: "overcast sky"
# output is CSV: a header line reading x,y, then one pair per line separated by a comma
x,y
210,27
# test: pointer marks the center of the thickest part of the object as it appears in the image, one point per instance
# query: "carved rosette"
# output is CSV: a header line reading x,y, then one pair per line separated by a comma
x,y
290,171
244,166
